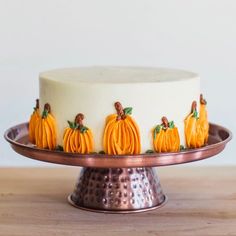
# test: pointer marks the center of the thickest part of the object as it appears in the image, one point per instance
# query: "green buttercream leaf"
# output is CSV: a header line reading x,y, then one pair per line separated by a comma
x,y
155,134
171,124
182,148
101,152
45,114
128,110
59,148
195,114
157,130
149,151
72,125
83,129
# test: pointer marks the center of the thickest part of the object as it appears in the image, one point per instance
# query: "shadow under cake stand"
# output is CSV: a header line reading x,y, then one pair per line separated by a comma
x,y
117,183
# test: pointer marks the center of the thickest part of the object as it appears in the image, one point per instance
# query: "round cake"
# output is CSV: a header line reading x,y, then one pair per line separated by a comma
x,y
123,108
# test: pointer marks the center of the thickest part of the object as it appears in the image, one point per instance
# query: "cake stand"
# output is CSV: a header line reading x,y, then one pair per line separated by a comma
x,y
118,183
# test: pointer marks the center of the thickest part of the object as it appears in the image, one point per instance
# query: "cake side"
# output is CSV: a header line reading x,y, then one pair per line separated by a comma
x,y
150,97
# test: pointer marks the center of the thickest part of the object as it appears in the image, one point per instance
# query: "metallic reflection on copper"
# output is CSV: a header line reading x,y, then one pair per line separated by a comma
x,y
18,138
118,190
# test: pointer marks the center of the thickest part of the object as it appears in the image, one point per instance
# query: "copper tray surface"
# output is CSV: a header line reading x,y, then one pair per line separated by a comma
x,y
17,136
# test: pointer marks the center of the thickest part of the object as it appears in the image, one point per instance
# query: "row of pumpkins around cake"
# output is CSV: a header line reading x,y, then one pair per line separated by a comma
x,y
121,134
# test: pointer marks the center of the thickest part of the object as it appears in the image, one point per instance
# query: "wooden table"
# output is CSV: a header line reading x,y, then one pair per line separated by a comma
x,y
202,201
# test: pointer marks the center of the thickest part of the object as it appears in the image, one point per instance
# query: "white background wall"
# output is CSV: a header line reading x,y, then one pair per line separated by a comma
x,y
188,34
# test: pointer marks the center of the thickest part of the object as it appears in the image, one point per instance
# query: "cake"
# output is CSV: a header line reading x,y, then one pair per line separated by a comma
x,y
119,110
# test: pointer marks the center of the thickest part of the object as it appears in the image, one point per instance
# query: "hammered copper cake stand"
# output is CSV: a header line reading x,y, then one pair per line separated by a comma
x,y
117,184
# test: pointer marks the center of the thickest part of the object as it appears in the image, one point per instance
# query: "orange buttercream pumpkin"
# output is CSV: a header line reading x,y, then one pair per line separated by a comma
x,y
194,134
33,121
77,137
166,137
45,131
203,118
121,134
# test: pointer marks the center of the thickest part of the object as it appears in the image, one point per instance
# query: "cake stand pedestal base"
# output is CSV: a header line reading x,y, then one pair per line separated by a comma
x,y
118,190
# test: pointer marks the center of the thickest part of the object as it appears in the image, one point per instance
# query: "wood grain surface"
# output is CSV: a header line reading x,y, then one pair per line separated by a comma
x,y
202,201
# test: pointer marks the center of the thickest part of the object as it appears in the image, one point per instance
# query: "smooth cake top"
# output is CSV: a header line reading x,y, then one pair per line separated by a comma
x,y
113,74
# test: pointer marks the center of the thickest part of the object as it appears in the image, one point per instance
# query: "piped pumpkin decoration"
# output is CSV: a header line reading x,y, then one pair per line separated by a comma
x,y
77,137
121,134
45,131
33,121
166,137
194,135
203,118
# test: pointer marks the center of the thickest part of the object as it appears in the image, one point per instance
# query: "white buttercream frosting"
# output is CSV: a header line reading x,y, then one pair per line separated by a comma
x,y
151,92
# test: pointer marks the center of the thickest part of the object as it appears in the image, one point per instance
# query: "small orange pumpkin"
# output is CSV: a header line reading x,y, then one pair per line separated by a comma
x,y
203,118
121,134
32,122
45,131
194,135
166,137
77,137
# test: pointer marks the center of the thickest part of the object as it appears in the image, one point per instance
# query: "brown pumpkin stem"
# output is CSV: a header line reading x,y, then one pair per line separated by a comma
x,y
194,106
165,122
79,119
37,104
202,100
47,107
119,110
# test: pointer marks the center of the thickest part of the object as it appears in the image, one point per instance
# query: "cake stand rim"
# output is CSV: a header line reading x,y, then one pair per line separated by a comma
x,y
118,161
